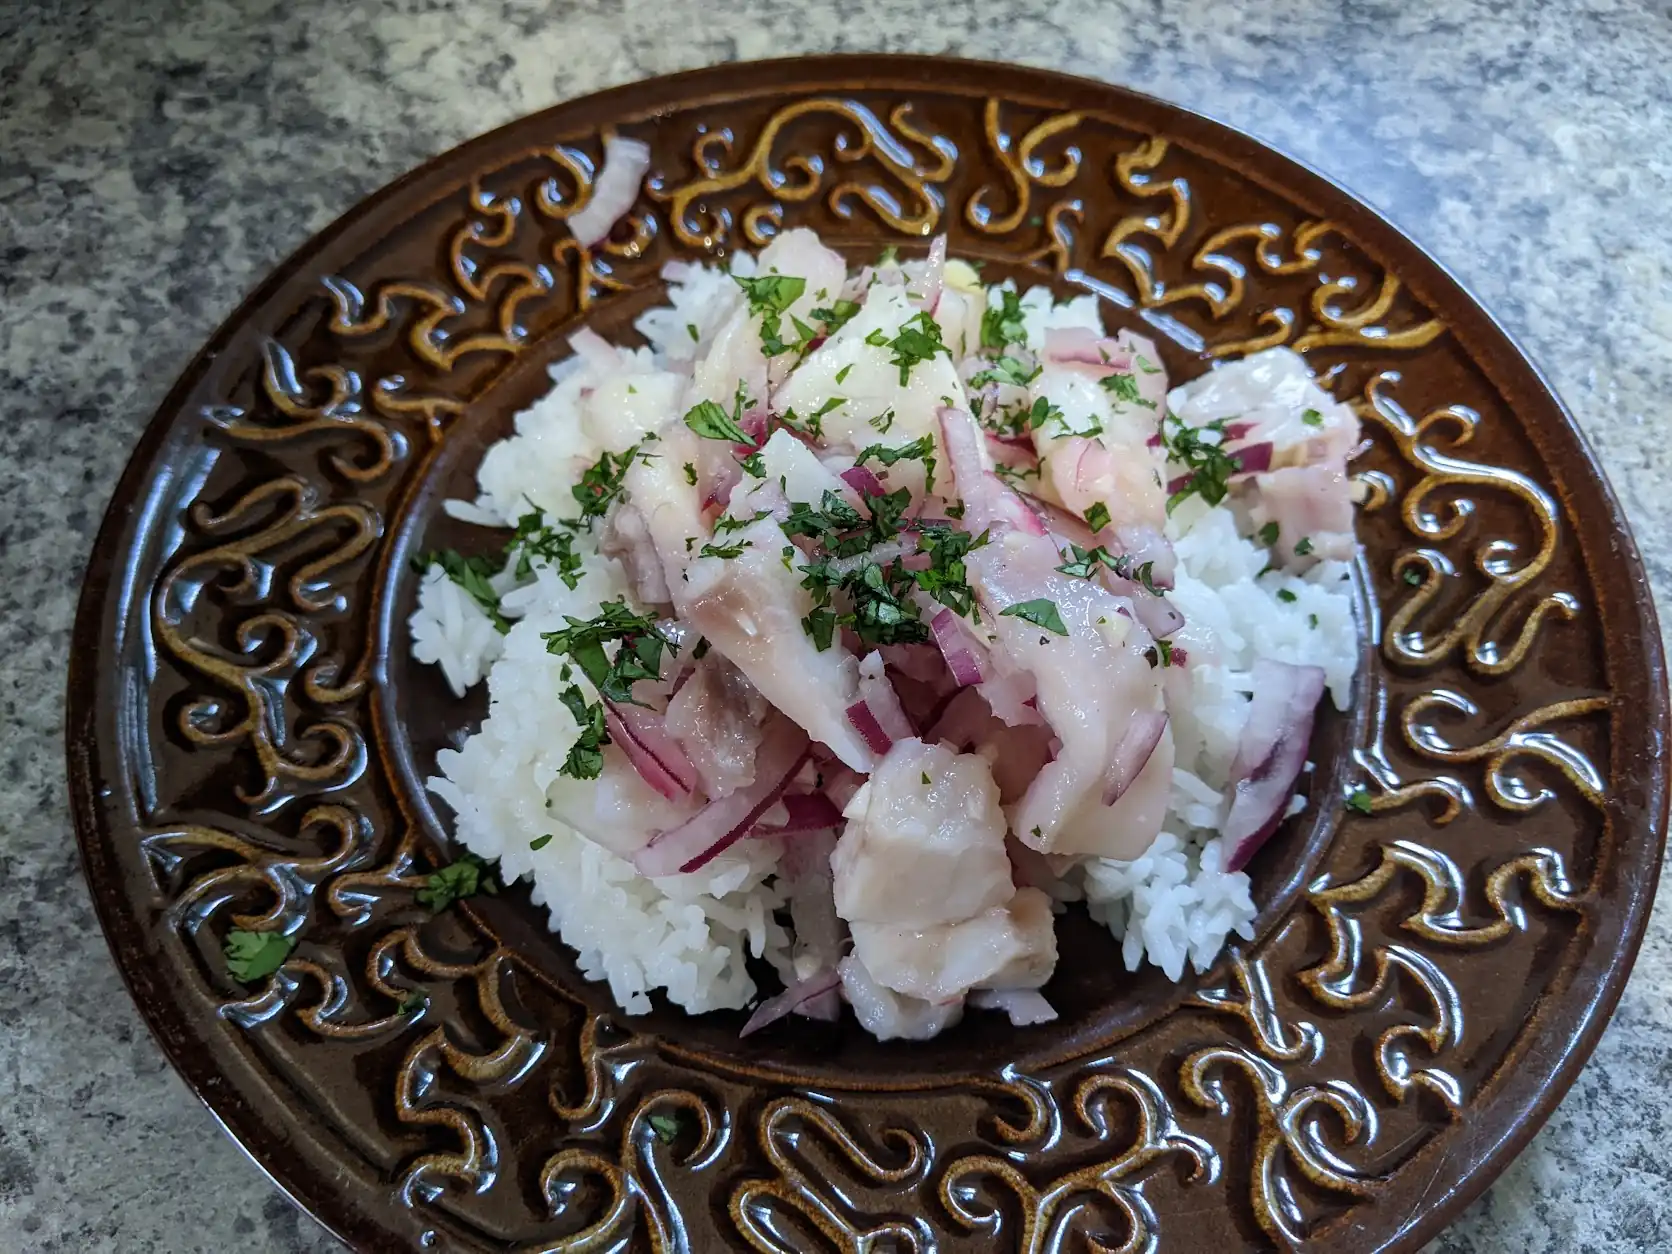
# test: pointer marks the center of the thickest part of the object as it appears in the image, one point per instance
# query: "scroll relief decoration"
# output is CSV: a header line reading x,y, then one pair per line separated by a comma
x,y
264,608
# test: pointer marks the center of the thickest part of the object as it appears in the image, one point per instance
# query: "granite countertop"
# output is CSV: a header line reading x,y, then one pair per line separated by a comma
x,y
158,158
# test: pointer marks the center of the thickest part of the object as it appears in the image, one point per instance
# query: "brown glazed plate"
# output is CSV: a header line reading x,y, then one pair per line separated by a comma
x,y
247,739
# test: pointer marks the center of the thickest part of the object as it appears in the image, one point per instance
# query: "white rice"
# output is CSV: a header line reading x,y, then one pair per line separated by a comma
x,y
690,935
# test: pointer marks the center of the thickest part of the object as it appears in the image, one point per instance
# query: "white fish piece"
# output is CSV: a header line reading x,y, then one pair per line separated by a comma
x,y
1013,945
798,253
1134,818
670,507
924,843
888,1016
870,386
734,358
751,609
716,716
1272,392
1091,685
1313,509
622,409
618,810
796,468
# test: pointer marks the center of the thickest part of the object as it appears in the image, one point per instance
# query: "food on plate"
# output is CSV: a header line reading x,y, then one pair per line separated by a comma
x,y
863,621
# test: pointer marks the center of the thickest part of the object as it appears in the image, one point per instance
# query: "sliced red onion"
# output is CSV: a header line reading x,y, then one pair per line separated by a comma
x,y
1132,754
791,999
1081,346
920,663
721,823
928,285
840,784
863,481
1270,753
964,721
1252,458
594,350
966,657
879,695
869,727
625,163
807,812
655,754
1025,1006
987,501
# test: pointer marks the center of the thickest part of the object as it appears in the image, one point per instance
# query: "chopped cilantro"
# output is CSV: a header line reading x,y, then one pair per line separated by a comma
x,y
754,465
1284,595
691,327
1210,466
690,474
946,579
1097,517
725,551
1159,654
918,340
821,626
585,759
711,422
471,574
1006,370
1312,621
1015,476
889,256
836,316
1413,578
1143,364
770,296
415,1003
466,877
1083,564
1124,387
1312,418
842,374
1303,546
555,545
883,421
830,406
666,1127
601,482
925,777
540,842
726,524
1359,799
252,956
1004,325
922,450
955,510
1040,612
1268,534
639,657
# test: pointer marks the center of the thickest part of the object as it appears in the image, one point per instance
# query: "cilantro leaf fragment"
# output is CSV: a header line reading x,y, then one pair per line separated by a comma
x,y
1312,418
1360,799
711,422
585,759
471,574
1284,595
1210,466
1268,534
1040,611
639,657
457,880
252,956
1303,546
770,296
1006,370
918,340
665,1126
726,551
1097,517
552,543
1124,387
1004,325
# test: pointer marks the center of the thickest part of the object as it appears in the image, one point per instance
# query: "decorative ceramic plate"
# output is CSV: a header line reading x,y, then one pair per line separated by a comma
x,y
247,739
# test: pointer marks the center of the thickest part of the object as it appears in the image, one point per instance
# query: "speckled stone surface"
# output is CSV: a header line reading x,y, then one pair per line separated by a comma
x,y
157,158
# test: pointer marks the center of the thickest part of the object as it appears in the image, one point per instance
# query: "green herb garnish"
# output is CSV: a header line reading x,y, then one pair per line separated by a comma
x,y
1006,370
471,574
1359,799
1040,612
1097,517
466,877
918,340
1124,387
1303,546
252,956
1004,325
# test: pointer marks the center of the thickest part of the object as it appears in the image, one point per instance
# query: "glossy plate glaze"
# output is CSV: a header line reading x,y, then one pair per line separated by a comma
x,y
247,737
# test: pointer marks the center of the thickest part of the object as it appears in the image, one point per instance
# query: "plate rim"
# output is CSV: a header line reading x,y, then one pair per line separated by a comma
x,y
101,595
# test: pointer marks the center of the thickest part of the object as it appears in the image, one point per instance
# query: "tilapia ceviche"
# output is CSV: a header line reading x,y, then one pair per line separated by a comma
x,y
865,621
